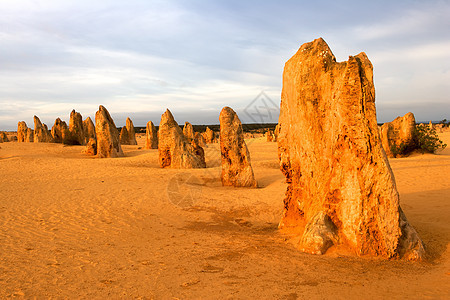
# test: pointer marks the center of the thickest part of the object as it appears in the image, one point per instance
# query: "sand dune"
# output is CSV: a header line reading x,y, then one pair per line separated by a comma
x,y
76,227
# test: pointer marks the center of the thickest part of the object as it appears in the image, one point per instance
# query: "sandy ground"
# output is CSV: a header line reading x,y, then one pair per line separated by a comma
x,y
77,227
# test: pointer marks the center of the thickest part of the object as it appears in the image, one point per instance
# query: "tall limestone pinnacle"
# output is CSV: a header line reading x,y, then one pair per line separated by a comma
x,y
341,189
175,151
108,143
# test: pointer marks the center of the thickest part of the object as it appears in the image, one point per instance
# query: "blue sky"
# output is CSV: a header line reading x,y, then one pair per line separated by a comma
x,y
138,57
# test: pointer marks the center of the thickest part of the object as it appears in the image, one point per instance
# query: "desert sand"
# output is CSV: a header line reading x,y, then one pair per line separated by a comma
x,y
73,226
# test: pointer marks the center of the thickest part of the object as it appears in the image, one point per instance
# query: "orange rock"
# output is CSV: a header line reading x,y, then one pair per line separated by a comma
x,y
128,134
209,136
76,129
174,149
3,137
41,132
108,144
21,132
151,141
269,136
89,130
188,131
398,132
91,147
341,189
60,131
236,165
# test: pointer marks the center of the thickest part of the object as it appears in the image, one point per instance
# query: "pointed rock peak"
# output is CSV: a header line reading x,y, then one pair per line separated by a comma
x,y
167,115
317,48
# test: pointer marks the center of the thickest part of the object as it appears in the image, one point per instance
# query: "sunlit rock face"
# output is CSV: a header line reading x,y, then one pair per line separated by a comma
x,y
151,136
108,143
236,164
175,151
398,133
41,132
341,190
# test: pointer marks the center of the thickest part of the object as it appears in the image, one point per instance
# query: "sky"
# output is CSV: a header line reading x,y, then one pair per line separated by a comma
x,y
139,57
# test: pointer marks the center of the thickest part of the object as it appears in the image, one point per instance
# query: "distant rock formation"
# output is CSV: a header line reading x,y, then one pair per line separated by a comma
x,y
108,144
188,131
128,134
269,136
76,129
174,149
151,134
275,133
41,132
89,130
341,189
209,136
22,132
249,135
124,136
3,137
60,132
236,166
29,136
398,135
199,139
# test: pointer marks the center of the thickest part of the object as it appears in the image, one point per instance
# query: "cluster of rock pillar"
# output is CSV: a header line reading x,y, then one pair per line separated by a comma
x,y
340,188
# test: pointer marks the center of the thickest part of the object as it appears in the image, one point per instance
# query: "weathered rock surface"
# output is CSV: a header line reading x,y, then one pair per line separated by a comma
x,y
29,136
174,149
89,130
188,131
151,134
124,136
3,137
60,132
199,139
236,166
41,132
209,136
275,133
91,147
339,179
76,129
398,134
108,144
21,132
128,134
269,136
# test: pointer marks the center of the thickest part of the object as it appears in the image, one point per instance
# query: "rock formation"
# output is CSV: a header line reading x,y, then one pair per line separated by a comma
x,y
269,136
29,136
275,133
188,131
89,130
236,166
91,147
151,136
60,132
209,136
128,134
124,136
21,132
3,137
398,134
174,149
76,129
199,139
341,190
41,133
108,144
